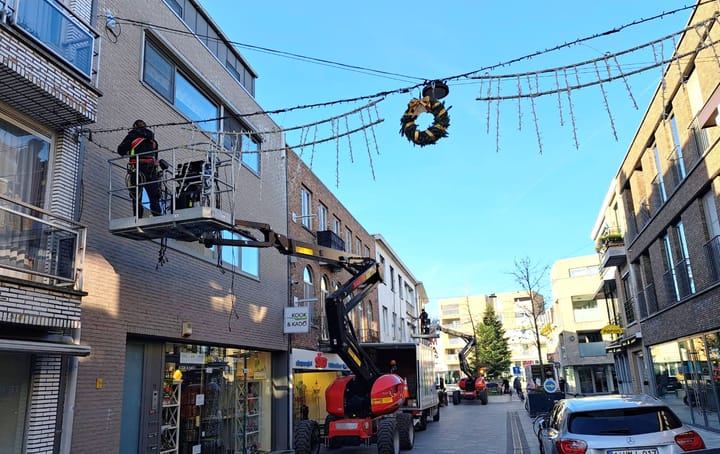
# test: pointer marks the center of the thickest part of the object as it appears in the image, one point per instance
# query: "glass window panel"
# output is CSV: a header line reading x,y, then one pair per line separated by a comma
x,y
158,72
24,162
194,104
251,153
13,399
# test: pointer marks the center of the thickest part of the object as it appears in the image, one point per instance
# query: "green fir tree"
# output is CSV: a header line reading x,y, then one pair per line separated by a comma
x,y
492,346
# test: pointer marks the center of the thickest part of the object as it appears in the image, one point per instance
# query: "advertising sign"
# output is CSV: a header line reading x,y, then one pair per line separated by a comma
x,y
297,320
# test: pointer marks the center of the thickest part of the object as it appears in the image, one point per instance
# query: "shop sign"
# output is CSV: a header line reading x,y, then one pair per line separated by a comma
x,y
297,320
310,359
192,358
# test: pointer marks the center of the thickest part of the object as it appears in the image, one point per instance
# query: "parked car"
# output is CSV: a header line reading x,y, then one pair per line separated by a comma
x,y
633,424
673,384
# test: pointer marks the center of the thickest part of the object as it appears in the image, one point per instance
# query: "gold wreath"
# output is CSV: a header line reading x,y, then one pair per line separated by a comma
x,y
436,131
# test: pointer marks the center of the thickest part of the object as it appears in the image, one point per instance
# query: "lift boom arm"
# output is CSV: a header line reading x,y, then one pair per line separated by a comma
x,y
366,274
470,342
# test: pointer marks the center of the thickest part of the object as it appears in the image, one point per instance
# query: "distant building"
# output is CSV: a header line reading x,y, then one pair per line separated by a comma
x,y
579,315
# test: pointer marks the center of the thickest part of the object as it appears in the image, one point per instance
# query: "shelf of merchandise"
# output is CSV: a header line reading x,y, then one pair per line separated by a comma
x,y
248,396
170,428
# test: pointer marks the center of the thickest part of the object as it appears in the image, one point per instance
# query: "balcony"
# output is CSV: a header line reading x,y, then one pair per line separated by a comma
x,y
328,238
39,246
611,248
592,349
48,38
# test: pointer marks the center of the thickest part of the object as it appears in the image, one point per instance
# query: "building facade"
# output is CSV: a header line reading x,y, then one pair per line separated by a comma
x,y
188,347
579,316
49,58
668,187
316,216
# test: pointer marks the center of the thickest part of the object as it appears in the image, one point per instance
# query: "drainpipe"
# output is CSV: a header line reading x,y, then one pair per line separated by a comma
x,y
68,417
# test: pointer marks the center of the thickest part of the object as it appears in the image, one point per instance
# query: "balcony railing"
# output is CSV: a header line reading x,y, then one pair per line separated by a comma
x,y
40,246
712,255
592,348
57,29
679,280
368,335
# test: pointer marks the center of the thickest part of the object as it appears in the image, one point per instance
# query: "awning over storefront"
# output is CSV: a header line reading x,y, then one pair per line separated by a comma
x,y
623,343
23,346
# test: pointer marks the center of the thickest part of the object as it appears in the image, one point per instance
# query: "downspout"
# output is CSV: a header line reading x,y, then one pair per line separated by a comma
x,y
68,416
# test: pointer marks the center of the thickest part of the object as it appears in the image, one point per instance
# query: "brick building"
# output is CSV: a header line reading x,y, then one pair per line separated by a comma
x,y
666,270
47,94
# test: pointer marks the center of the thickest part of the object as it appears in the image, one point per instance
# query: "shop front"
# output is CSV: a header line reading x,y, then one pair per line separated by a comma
x,y
208,399
313,372
686,375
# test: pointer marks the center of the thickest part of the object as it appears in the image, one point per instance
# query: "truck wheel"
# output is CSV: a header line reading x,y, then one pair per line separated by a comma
x,y
422,422
456,397
483,397
388,438
436,416
307,437
406,430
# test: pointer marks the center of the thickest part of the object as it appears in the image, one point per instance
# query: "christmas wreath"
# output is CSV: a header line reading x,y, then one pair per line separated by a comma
x,y
436,131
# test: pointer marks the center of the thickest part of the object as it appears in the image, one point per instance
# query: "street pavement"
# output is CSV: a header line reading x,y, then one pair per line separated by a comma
x,y
500,427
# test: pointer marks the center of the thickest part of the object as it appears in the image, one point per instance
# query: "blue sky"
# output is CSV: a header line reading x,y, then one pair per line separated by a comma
x,y
460,212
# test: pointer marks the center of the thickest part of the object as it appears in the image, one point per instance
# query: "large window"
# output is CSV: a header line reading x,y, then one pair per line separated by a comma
x,y
306,208
322,217
167,80
247,259
586,311
238,139
24,163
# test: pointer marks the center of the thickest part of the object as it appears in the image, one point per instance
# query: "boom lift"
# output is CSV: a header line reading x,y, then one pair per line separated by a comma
x,y
362,407
473,385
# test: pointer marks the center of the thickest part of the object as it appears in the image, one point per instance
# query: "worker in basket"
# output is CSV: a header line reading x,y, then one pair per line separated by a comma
x,y
143,173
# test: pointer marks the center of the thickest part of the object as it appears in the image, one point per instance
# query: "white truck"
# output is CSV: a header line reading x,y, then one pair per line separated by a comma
x,y
416,364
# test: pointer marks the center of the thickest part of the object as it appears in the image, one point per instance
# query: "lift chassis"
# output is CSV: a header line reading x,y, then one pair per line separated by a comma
x,y
473,385
362,407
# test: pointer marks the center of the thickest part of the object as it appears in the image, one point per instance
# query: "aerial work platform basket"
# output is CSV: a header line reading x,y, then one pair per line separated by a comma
x,y
197,188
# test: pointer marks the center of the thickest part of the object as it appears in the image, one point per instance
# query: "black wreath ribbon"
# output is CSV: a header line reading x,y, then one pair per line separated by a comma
x,y
433,133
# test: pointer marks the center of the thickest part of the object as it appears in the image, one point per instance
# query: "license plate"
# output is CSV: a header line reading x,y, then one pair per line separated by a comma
x,y
633,451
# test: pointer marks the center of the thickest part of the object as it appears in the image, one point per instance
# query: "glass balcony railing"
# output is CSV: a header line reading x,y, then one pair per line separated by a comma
x,y
39,246
48,22
592,348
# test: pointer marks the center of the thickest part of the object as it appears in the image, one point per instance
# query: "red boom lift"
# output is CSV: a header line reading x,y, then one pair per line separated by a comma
x,y
362,407
473,385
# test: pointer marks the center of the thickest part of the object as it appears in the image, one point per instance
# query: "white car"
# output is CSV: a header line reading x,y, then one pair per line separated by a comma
x,y
614,424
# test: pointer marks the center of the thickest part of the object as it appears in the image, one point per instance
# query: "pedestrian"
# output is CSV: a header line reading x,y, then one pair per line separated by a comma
x,y
393,366
561,385
505,386
518,388
143,173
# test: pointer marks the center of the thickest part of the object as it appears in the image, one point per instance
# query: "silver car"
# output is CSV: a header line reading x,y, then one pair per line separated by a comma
x,y
637,424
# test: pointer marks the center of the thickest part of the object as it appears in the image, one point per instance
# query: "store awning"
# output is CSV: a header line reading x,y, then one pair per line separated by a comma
x,y
623,343
23,346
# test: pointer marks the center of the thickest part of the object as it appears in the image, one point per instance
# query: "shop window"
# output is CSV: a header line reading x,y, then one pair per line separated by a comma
x,y
13,399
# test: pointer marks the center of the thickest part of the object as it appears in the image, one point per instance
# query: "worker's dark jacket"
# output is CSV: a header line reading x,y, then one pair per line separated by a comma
x,y
141,146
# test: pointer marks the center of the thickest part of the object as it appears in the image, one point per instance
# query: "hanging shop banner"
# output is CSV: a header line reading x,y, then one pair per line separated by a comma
x,y
311,359
297,320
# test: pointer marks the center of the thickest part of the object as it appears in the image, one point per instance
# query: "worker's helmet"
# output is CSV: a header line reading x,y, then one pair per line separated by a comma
x,y
139,124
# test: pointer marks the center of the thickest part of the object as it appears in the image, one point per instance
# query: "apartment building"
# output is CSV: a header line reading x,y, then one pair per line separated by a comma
x,y
316,216
400,297
580,314
667,276
49,57
188,346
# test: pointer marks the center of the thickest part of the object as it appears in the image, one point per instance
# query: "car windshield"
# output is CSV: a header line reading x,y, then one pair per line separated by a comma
x,y
623,421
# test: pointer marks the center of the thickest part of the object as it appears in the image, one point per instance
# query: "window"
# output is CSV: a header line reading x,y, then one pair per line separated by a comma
x,y
385,325
627,421
160,73
677,168
348,240
336,226
367,252
658,182
15,385
324,286
246,259
358,246
586,310
308,290
24,163
322,217
248,145
629,300
678,277
392,278
306,208
712,227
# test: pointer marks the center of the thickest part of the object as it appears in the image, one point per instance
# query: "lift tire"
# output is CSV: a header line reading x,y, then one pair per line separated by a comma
x,y
456,397
406,430
483,397
436,416
388,438
307,437
422,421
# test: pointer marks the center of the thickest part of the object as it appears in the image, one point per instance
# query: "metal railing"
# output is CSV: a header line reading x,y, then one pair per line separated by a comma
x,y
40,246
59,30
712,255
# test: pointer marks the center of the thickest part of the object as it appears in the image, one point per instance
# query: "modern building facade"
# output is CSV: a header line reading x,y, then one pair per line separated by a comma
x,y
49,57
667,188
579,316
